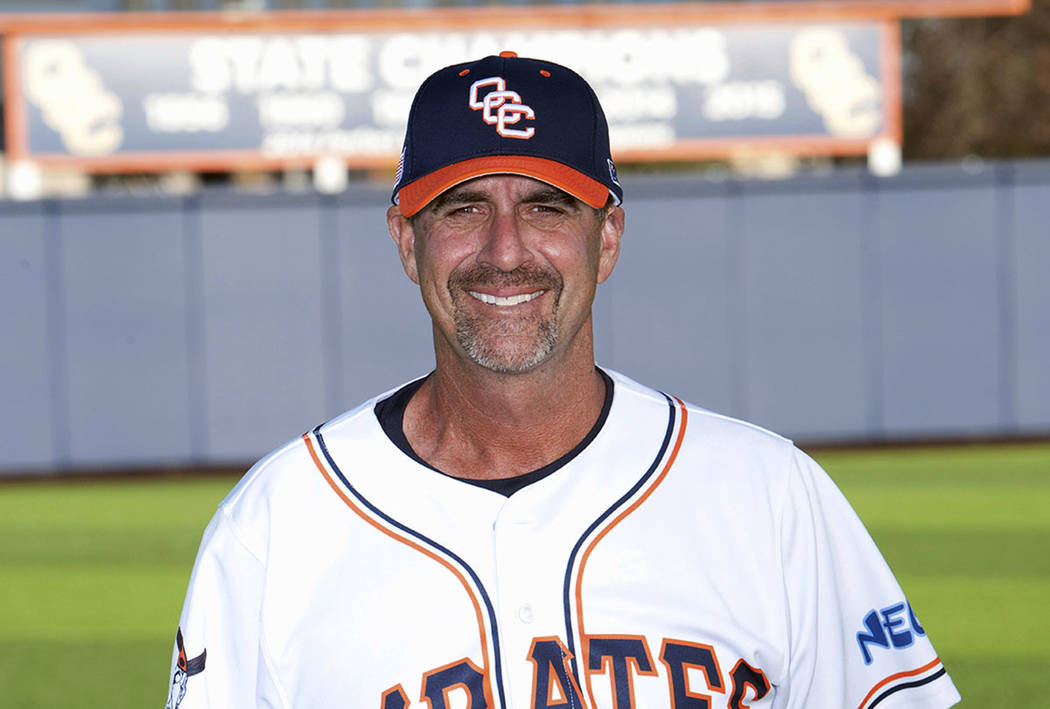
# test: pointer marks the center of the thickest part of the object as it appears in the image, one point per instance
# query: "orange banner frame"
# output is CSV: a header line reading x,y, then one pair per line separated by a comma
x,y
591,15
887,12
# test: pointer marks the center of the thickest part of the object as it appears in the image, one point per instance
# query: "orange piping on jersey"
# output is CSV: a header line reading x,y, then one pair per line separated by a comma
x,y
585,660
423,550
936,661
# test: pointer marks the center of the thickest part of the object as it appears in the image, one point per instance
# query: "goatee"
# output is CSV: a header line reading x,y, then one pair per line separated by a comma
x,y
499,343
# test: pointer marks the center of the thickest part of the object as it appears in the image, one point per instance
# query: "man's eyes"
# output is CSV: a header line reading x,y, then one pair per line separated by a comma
x,y
547,208
537,209
461,209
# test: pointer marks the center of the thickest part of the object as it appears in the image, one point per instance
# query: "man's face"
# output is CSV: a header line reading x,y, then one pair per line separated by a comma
x,y
508,266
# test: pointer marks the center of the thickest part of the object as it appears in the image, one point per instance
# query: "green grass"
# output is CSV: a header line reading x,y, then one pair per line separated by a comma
x,y
967,531
92,574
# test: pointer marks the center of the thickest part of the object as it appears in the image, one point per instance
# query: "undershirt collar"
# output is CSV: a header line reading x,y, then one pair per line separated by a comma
x,y
391,414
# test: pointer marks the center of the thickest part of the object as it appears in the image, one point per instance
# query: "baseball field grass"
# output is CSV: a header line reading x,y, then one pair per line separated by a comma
x,y
92,572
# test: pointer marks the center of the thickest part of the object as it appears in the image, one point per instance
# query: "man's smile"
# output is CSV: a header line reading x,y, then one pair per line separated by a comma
x,y
508,300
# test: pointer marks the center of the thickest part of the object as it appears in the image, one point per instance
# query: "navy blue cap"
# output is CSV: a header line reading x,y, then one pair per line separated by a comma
x,y
505,115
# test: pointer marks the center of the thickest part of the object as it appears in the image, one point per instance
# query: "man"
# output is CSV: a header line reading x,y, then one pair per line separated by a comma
x,y
521,528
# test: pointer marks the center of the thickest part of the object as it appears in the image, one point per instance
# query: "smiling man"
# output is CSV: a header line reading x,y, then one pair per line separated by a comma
x,y
521,528
507,266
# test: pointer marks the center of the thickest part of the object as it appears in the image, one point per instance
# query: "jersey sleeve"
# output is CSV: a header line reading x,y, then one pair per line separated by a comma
x,y
855,641
216,661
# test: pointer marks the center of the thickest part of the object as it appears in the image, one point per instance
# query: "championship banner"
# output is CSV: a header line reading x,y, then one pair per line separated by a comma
x,y
163,100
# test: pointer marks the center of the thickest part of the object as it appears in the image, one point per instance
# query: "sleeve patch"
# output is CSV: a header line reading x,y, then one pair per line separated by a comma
x,y
184,669
892,627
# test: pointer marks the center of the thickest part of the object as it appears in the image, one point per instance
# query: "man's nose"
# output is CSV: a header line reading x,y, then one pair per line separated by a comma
x,y
504,245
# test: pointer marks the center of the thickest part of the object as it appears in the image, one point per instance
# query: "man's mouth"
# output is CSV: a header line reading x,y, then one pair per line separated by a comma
x,y
506,300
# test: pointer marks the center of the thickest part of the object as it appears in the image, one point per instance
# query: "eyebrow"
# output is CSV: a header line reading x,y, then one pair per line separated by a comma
x,y
552,195
457,196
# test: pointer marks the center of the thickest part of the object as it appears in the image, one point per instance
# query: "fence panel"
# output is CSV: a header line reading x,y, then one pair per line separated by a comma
x,y
940,329
804,312
1030,304
125,320
209,329
27,430
262,324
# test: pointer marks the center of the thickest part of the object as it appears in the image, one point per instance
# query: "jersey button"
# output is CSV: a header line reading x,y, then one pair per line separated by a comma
x,y
525,614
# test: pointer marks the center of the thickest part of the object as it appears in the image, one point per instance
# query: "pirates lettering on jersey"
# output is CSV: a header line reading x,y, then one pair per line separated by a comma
x,y
622,658
463,676
440,683
679,657
553,685
747,677
894,626
394,698
616,656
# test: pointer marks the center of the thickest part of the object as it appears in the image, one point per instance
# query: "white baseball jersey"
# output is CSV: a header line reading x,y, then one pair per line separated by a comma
x,y
680,559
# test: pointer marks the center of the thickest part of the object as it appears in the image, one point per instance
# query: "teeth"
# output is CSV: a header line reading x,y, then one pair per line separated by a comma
x,y
509,300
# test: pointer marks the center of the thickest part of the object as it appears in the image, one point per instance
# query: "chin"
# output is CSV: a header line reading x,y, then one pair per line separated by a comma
x,y
507,347
501,354
508,362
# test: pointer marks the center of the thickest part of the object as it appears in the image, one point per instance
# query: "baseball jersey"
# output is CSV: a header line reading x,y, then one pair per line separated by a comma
x,y
681,559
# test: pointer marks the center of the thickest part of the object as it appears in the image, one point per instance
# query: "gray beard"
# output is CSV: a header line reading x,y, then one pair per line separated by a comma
x,y
481,340
484,339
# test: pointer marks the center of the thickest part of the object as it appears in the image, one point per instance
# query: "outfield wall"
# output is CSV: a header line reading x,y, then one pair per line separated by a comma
x,y
208,329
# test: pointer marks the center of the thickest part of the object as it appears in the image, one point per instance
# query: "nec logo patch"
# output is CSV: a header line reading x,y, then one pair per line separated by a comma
x,y
894,626
501,108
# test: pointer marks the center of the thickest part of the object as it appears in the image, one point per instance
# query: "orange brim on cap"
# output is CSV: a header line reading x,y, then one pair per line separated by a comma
x,y
416,195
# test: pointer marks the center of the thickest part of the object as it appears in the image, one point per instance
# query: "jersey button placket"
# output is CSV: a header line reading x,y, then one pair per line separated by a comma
x,y
514,538
515,549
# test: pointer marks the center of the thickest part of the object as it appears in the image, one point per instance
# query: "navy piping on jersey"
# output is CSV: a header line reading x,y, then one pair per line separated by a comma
x,y
497,669
391,415
907,685
672,416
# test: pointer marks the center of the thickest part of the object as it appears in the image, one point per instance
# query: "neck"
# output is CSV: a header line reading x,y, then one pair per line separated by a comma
x,y
471,422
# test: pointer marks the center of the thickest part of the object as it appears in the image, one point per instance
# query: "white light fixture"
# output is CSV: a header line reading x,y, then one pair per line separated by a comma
x,y
884,157
330,175
25,180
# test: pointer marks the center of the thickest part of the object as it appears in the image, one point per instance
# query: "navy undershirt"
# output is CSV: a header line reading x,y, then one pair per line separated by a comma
x,y
391,414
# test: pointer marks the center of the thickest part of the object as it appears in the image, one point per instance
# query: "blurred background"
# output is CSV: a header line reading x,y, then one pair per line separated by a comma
x,y
837,229
837,215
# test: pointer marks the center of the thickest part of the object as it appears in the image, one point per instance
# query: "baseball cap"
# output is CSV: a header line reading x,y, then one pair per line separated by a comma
x,y
505,115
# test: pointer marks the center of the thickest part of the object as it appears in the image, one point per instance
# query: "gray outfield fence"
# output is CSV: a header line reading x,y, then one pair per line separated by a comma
x,y
206,330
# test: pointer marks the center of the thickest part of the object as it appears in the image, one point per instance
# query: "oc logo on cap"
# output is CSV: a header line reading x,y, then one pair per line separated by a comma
x,y
501,108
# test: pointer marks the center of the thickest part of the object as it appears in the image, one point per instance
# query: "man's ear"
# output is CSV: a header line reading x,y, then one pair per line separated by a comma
x,y
404,237
611,235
